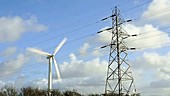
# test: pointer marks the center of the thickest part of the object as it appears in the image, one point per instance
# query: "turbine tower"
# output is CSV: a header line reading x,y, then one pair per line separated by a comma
x,y
50,57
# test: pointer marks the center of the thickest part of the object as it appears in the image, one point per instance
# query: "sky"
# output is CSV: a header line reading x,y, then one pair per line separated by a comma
x,y
42,24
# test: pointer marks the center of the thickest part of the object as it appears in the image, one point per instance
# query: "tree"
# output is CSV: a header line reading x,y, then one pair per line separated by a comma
x,y
8,91
56,92
29,91
71,93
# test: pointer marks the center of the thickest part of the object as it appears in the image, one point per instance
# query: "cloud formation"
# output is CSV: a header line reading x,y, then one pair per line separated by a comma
x,y
158,10
84,48
148,36
13,27
152,69
76,74
8,51
12,66
80,68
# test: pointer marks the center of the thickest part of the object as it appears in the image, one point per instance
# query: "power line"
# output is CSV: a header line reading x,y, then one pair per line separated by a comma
x,y
152,31
127,41
35,64
149,46
145,37
136,6
71,41
80,27
68,32
147,32
152,14
59,59
83,26
94,22
72,24
93,34
91,23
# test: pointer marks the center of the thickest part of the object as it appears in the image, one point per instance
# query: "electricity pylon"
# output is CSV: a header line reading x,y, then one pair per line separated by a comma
x,y
119,77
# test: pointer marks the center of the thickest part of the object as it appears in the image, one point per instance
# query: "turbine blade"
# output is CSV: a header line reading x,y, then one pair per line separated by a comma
x,y
38,51
60,45
57,69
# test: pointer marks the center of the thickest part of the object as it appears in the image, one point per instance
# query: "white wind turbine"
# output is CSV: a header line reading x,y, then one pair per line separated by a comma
x,y
51,58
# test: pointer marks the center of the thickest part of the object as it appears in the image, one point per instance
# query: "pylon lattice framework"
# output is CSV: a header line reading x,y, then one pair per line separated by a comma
x,y
119,77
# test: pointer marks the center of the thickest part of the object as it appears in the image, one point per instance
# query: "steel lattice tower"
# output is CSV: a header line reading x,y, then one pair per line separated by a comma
x,y
119,77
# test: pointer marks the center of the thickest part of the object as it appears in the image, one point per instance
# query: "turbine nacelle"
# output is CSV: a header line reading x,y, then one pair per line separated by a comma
x,y
50,56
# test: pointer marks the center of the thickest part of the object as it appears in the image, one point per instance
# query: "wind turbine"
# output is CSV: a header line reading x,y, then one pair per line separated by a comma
x,y
50,57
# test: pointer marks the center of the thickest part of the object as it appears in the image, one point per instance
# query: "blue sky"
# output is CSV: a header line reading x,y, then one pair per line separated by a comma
x,y
43,24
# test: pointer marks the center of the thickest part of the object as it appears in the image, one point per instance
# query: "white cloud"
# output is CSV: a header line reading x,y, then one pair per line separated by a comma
x,y
20,81
84,48
153,60
8,51
13,27
152,69
84,75
155,91
2,84
40,83
80,68
148,36
148,67
104,37
81,75
77,74
12,66
83,85
96,52
160,84
158,10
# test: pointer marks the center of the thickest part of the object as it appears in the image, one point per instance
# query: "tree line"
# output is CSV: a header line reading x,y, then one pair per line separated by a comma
x,y
29,91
